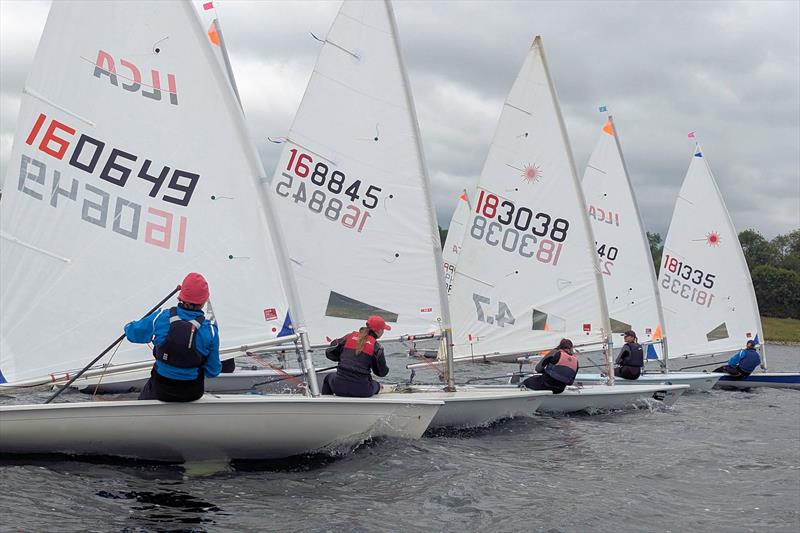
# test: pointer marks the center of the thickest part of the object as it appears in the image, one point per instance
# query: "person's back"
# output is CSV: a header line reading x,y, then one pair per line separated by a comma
x,y
185,345
630,360
557,369
742,363
359,356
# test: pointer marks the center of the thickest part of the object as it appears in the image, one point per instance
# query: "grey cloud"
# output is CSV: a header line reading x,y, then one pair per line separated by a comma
x,y
729,70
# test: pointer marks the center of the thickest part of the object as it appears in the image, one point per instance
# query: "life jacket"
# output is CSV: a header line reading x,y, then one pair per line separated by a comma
x,y
357,365
749,361
635,355
179,349
565,370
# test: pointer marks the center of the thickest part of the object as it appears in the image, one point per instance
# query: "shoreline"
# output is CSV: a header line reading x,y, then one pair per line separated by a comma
x,y
783,343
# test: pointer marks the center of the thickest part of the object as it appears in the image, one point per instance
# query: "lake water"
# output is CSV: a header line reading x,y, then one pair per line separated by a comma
x,y
722,461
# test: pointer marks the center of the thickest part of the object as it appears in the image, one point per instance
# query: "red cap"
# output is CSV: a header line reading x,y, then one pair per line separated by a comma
x,y
194,289
377,324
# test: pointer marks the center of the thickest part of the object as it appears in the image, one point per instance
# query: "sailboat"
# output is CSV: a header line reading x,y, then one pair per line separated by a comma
x,y
455,234
352,174
625,261
263,375
132,166
709,303
527,273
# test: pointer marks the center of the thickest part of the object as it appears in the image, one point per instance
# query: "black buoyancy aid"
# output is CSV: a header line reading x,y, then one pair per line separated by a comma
x,y
179,349
635,355
358,363
565,370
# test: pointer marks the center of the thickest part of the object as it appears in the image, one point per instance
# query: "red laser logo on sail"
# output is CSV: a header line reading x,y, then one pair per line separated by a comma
x,y
531,173
713,239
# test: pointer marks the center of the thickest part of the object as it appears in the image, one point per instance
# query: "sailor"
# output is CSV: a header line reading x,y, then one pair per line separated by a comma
x,y
185,345
359,355
630,360
742,363
556,370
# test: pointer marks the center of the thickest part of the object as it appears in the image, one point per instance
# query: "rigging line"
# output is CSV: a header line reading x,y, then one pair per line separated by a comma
x,y
597,169
32,93
379,99
475,279
345,50
307,149
360,21
24,244
518,109
156,50
105,369
127,78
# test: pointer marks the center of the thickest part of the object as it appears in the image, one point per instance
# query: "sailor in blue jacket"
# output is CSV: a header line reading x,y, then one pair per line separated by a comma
x,y
185,345
742,363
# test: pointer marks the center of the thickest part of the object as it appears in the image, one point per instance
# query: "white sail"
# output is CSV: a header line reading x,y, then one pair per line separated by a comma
x,y
527,272
622,246
706,290
130,168
455,236
351,186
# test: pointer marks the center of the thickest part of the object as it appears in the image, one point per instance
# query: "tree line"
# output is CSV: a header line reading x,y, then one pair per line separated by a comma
x,y
774,267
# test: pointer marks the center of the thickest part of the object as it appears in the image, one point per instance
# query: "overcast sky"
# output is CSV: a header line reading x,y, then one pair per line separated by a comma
x,y
728,70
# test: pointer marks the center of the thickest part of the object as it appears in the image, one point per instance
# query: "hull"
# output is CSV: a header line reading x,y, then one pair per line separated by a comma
x,y
775,380
242,380
602,397
473,407
697,381
212,428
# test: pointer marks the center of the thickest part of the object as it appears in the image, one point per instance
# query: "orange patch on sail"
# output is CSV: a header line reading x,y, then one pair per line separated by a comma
x,y
212,34
608,128
657,333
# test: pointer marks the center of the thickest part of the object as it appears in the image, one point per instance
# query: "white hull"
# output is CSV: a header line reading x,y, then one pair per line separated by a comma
x,y
242,380
474,407
212,428
697,381
775,380
602,397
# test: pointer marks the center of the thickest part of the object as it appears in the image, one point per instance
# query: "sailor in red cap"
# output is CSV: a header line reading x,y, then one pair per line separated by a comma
x,y
359,355
185,345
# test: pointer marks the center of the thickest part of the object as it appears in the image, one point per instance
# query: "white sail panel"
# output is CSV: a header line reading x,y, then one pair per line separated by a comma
x,y
129,169
527,273
350,187
706,290
455,235
622,246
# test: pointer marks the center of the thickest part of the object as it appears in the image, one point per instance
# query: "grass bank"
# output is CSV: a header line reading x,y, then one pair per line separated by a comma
x,y
781,329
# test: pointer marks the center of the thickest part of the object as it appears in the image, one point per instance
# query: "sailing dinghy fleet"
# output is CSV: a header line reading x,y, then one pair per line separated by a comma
x,y
132,165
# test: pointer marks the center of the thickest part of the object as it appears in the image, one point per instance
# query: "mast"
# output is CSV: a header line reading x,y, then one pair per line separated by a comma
x,y
601,293
262,184
227,60
645,243
430,212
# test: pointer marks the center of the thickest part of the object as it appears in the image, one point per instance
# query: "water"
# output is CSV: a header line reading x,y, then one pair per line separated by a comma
x,y
723,461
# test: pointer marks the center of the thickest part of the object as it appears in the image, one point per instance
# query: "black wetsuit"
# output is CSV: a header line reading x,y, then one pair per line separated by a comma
x,y
353,376
630,361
